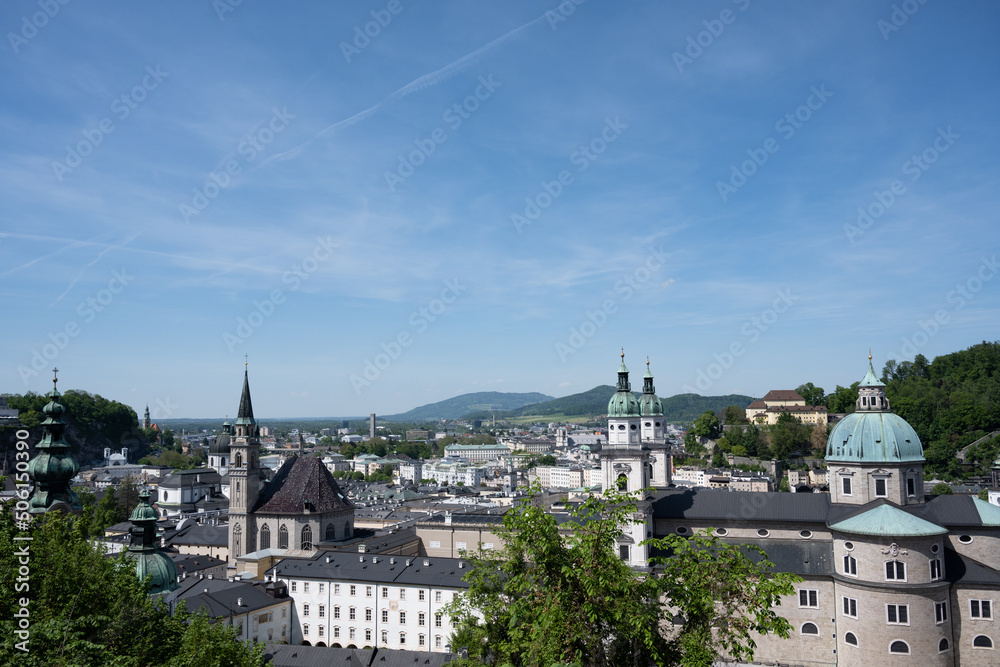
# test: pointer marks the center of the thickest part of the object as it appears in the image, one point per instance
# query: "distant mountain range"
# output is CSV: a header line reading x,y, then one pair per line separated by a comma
x,y
484,402
594,402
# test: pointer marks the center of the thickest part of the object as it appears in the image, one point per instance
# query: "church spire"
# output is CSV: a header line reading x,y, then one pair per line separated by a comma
x,y
52,468
647,380
245,415
623,383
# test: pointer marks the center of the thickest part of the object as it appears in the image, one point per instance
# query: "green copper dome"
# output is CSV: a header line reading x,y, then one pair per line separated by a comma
x,y
52,468
623,403
150,561
874,437
649,403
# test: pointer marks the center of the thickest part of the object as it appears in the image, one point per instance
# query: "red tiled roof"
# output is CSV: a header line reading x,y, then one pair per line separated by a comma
x,y
783,395
757,404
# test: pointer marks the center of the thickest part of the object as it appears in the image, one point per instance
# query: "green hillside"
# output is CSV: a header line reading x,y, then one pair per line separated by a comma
x,y
483,402
594,402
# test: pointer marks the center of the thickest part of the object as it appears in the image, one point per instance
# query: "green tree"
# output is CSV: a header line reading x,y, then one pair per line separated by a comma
x,y
984,494
707,425
90,610
565,597
814,395
735,415
843,399
942,489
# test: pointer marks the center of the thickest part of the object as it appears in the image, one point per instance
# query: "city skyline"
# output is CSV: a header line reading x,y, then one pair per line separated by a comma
x,y
393,204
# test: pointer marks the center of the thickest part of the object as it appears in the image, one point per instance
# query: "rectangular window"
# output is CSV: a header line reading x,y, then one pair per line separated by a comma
x,y
435,544
421,619
385,592
935,569
880,491
402,593
488,546
368,591
981,609
623,552
421,640
850,565
322,611
459,545
402,618
385,637
336,611
420,596
437,596
895,570
437,641
402,638
354,589
321,631
897,614
336,631
385,615
368,635
305,630
846,485
305,587
850,607
352,633
437,620
368,614
911,486
336,589
293,585
322,588
808,598
352,613
305,610
940,612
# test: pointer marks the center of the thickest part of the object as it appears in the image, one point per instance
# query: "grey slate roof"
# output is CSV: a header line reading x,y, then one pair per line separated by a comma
x,y
302,481
190,563
200,534
222,597
366,568
284,655
963,570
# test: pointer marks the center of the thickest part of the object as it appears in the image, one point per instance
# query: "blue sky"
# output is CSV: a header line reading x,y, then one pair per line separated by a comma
x,y
489,196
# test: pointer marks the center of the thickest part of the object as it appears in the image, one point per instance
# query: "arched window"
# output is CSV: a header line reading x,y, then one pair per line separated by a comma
x,y
282,537
238,460
331,532
307,539
851,639
943,645
237,539
982,641
265,537
810,629
899,647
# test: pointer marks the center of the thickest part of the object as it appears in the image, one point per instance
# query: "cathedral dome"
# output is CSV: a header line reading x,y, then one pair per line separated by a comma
x,y
872,434
221,445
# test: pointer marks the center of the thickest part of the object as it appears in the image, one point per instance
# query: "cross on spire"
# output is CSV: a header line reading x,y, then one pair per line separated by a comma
x,y
55,376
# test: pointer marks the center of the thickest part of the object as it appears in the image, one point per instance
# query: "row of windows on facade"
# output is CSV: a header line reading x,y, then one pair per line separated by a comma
x,y
901,647
881,489
369,591
894,570
352,633
436,544
352,615
898,614
305,537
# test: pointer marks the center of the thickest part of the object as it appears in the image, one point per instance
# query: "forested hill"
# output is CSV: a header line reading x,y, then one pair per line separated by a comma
x,y
950,402
594,402
485,402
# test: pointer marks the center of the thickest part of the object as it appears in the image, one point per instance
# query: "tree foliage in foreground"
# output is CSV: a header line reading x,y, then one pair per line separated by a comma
x,y
566,598
86,609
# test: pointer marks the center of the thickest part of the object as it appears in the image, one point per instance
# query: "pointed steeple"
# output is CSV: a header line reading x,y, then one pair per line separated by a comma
x,y
149,560
623,383
245,415
52,468
871,392
870,379
647,380
146,421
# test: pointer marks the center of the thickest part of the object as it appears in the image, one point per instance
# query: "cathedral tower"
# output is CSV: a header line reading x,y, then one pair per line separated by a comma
x,y
244,476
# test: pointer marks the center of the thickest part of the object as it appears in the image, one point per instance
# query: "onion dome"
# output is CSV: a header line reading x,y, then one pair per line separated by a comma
x,y
872,434
623,403
148,559
52,468
649,403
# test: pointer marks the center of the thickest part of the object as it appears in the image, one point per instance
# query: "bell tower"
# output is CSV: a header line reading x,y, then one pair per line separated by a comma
x,y
244,477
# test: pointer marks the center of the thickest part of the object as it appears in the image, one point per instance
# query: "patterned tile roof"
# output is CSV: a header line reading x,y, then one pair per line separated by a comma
x,y
300,485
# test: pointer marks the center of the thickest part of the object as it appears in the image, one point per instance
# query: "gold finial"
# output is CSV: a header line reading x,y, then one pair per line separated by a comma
x,y
869,355
647,361
245,360
55,377
623,353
